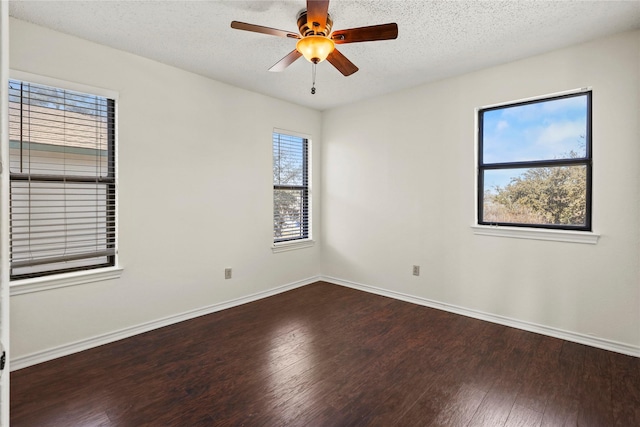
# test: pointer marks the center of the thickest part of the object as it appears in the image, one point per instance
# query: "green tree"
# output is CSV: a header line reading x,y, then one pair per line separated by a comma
x,y
546,195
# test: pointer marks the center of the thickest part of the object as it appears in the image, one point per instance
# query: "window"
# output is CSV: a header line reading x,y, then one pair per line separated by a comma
x,y
290,188
62,180
534,163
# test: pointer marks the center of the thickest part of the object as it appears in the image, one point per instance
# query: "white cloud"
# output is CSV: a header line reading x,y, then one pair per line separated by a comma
x,y
501,125
562,132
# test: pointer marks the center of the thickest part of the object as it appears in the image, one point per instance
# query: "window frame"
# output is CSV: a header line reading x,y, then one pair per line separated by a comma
x,y
586,161
306,239
27,283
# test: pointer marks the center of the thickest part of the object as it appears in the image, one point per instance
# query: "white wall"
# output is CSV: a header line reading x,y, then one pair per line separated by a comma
x,y
398,189
395,189
195,193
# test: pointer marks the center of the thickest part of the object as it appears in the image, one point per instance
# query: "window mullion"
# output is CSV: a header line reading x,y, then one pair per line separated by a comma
x,y
537,164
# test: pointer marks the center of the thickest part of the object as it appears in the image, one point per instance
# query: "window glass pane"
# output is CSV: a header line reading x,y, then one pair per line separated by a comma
x,y
543,130
57,132
547,195
288,160
290,188
290,214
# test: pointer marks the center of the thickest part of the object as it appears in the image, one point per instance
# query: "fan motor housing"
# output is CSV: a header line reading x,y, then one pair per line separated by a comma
x,y
306,30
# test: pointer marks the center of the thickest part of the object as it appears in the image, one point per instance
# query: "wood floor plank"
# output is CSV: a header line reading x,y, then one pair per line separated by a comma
x,y
325,355
595,393
521,416
536,387
625,393
496,406
401,388
563,392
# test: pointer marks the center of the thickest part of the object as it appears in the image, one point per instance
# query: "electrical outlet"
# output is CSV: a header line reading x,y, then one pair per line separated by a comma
x,y
227,273
416,270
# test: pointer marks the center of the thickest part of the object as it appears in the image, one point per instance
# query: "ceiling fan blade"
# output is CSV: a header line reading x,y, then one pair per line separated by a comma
x,y
317,11
341,62
366,34
286,61
264,30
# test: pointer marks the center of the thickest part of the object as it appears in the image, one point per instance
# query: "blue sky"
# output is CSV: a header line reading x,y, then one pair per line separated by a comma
x,y
538,131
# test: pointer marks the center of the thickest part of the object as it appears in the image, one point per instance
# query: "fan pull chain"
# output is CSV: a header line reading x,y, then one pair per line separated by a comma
x,y
313,78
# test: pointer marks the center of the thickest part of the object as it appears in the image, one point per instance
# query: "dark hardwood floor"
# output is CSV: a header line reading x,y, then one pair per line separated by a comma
x,y
325,355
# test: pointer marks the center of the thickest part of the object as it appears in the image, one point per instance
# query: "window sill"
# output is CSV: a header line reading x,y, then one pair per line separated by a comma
x,y
567,236
292,246
27,286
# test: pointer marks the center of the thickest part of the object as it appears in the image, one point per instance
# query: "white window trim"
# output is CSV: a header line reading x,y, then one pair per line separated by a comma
x,y
531,233
63,84
45,283
54,281
292,245
567,236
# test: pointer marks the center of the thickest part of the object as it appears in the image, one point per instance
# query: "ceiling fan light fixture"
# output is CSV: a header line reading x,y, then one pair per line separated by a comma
x,y
315,48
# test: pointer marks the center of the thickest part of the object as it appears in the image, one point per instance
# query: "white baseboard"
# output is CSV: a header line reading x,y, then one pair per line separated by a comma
x,y
605,344
85,344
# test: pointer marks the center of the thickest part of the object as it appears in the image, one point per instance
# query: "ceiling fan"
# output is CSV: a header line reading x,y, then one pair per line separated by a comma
x,y
316,42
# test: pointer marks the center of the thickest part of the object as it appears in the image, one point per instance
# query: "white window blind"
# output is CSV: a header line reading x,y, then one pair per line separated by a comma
x,y
290,188
62,173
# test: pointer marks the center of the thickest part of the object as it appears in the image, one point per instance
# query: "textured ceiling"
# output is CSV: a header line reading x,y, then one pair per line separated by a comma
x,y
436,39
